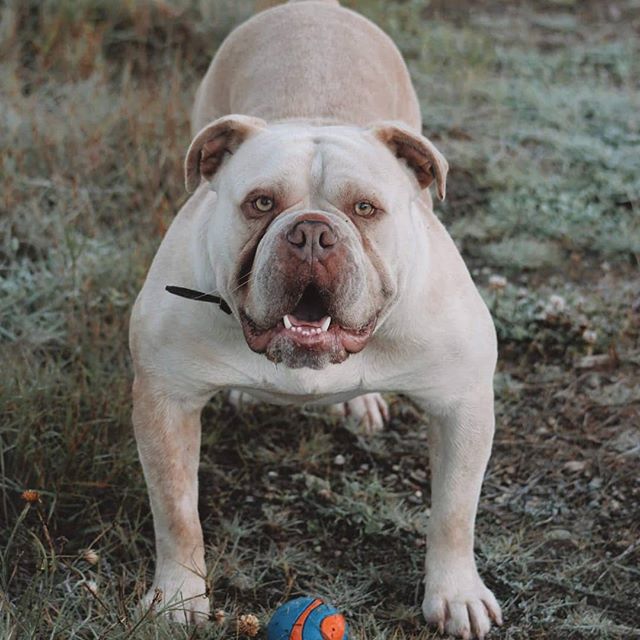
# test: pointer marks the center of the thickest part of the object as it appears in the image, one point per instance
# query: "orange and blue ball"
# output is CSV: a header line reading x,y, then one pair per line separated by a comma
x,y
307,618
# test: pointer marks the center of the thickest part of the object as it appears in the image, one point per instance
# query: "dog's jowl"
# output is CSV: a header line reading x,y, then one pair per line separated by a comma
x,y
311,225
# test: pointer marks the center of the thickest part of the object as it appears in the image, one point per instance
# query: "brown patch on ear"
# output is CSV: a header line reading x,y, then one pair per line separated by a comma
x,y
421,155
207,150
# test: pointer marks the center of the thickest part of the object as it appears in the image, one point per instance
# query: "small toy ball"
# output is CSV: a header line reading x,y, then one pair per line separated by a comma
x,y
307,618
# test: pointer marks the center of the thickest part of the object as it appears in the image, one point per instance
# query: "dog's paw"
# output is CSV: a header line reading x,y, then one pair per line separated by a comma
x,y
464,610
370,412
182,600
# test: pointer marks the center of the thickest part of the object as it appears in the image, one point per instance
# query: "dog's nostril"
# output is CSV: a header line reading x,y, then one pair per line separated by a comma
x,y
327,238
297,236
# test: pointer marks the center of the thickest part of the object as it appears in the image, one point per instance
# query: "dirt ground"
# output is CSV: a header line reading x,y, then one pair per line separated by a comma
x,y
536,106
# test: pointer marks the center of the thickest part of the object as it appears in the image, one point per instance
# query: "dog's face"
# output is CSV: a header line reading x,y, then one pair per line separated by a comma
x,y
309,230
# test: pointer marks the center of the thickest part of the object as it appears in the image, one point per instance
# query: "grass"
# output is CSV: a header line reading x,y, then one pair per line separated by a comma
x,y
536,106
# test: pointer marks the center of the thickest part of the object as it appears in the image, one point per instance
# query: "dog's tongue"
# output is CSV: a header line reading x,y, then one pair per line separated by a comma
x,y
322,323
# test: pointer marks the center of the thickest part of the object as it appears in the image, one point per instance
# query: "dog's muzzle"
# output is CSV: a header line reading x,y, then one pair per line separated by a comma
x,y
306,279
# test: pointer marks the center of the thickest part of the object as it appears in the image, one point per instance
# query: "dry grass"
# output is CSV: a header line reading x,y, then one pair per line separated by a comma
x,y
536,106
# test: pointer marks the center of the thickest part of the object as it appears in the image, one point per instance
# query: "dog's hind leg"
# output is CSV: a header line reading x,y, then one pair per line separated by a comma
x,y
370,412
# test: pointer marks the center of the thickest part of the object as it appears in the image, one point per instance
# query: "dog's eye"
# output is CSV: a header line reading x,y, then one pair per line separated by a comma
x,y
263,204
364,208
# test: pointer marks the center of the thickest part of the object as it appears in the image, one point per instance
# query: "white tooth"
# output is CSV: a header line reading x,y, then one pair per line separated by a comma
x,y
287,322
325,323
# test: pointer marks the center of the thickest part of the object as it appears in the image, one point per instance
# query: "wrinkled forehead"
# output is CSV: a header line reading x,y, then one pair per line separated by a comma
x,y
311,158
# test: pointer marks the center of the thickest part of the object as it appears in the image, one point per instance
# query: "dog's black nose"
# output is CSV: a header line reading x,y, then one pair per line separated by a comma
x,y
311,239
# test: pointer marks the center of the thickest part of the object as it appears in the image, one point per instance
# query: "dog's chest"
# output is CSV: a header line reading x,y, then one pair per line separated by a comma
x,y
280,385
235,367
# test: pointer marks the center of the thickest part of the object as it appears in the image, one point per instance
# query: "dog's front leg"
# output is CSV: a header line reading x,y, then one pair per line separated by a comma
x,y
460,441
168,437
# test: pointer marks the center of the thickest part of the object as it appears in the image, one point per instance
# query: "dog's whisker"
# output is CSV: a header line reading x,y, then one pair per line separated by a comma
x,y
212,292
244,281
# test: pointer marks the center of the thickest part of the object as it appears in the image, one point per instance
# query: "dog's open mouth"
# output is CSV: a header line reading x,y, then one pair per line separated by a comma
x,y
308,326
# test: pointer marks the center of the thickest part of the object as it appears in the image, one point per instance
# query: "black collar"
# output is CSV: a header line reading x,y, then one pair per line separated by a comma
x,y
191,294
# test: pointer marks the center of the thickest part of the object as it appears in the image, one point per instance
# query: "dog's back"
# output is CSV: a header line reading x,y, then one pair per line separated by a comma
x,y
310,59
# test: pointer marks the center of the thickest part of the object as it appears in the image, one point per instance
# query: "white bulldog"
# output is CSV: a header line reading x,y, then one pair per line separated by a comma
x,y
312,227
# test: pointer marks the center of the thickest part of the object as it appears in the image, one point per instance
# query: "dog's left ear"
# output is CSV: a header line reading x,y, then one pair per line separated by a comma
x,y
421,155
207,150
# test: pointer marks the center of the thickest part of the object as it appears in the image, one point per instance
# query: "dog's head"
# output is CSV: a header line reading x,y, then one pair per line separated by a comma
x,y
308,234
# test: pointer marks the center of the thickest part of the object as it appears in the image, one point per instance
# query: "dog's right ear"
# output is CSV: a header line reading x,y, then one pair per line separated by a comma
x,y
208,148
